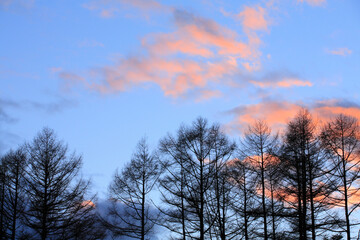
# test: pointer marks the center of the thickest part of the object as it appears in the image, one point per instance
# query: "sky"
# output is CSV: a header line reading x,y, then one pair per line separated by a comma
x,y
105,73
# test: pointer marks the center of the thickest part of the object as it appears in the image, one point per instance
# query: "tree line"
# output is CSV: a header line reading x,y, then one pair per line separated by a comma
x,y
300,183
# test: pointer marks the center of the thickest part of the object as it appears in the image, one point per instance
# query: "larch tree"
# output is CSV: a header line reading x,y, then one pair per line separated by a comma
x,y
305,183
297,153
13,206
173,188
193,185
341,139
242,176
257,145
3,181
56,195
132,213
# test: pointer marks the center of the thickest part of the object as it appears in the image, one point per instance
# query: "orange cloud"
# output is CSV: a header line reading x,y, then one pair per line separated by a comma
x,y
193,60
88,204
278,113
284,83
340,52
255,160
313,2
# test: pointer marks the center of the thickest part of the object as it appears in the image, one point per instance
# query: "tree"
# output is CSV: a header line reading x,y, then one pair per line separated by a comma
x,y
341,139
131,211
173,187
194,184
305,184
3,181
13,200
242,177
257,145
55,195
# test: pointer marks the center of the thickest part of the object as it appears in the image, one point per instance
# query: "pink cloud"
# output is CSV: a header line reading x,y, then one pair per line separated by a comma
x,y
283,83
197,56
253,18
194,59
340,52
208,94
313,2
278,113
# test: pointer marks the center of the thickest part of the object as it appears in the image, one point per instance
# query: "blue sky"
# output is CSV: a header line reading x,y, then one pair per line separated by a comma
x,y
104,73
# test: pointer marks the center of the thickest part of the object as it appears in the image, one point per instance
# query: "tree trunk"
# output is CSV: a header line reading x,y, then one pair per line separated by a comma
x,y
345,190
272,210
13,230
201,215
263,195
312,204
143,209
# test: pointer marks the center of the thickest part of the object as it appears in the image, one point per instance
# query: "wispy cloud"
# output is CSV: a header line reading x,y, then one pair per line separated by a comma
x,y
110,8
280,79
53,107
313,2
339,51
284,83
10,4
69,79
254,18
208,94
58,105
8,109
197,56
277,113
4,116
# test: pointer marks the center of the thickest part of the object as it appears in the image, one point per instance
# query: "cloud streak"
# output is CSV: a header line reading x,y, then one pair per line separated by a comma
x,y
314,3
340,52
110,8
284,83
280,79
278,113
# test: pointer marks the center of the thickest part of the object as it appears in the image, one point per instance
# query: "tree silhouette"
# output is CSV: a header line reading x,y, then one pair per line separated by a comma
x,y
13,199
257,145
131,211
341,139
56,197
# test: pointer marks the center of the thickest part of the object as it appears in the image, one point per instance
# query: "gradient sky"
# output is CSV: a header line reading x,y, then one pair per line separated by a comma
x,y
104,73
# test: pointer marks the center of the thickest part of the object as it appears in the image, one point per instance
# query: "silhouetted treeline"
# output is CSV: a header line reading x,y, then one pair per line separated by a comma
x,y
300,183
42,196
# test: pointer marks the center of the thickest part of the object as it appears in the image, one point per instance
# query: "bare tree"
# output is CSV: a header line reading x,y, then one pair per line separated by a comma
x,y
305,184
242,176
220,196
341,139
56,197
257,145
3,181
131,212
13,205
173,187
194,185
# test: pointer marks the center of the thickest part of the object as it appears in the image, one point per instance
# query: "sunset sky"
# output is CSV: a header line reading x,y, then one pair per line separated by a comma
x,y
104,73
